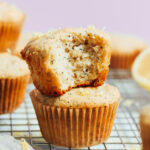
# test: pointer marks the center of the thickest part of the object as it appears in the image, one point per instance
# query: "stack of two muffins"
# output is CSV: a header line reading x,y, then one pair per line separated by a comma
x,y
73,106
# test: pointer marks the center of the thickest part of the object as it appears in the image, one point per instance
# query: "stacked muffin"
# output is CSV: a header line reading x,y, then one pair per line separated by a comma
x,y
73,105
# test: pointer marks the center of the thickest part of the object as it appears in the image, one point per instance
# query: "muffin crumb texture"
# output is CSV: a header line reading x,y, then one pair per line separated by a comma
x,y
68,58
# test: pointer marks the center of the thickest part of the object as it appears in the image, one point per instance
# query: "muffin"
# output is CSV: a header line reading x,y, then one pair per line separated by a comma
x,y
14,77
11,22
24,38
68,58
82,117
124,49
145,127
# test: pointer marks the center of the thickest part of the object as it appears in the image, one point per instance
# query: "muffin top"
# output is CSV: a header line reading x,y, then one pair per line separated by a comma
x,y
81,97
126,43
44,42
12,66
9,13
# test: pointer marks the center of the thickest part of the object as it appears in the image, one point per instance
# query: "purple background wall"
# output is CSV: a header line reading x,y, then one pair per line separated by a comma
x,y
131,16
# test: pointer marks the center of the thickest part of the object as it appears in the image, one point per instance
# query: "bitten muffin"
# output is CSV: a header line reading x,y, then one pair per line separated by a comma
x,y
145,127
14,77
81,117
67,58
11,21
124,49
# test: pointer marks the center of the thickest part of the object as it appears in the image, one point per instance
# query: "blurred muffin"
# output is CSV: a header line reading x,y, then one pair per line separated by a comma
x,y
81,117
145,127
11,21
124,49
22,41
14,77
68,58
24,38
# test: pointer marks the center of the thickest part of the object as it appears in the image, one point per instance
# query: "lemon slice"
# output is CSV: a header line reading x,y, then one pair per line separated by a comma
x,y
141,69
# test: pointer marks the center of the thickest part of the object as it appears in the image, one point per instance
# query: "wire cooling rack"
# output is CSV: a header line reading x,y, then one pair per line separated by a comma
x,y
125,133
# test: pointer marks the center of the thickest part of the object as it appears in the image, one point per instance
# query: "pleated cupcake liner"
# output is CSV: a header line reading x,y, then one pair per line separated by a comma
x,y
12,93
75,127
9,34
123,61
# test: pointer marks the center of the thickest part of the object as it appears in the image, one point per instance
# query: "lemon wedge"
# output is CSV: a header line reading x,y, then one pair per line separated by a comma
x,y
141,69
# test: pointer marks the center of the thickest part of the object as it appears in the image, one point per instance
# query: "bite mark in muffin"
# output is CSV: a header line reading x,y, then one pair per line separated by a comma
x,y
68,58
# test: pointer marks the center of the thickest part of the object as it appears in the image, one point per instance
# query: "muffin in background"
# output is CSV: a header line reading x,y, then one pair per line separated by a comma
x,y
14,78
68,58
11,22
145,127
24,38
82,117
124,50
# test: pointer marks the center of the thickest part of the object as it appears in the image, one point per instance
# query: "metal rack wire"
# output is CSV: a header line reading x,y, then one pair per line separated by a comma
x,y
125,133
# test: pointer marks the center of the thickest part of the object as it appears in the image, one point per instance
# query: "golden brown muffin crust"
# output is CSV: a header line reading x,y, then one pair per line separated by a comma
x,y
81,97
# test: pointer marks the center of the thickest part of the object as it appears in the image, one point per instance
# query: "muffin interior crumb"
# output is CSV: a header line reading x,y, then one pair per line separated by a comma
x,y
77,58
